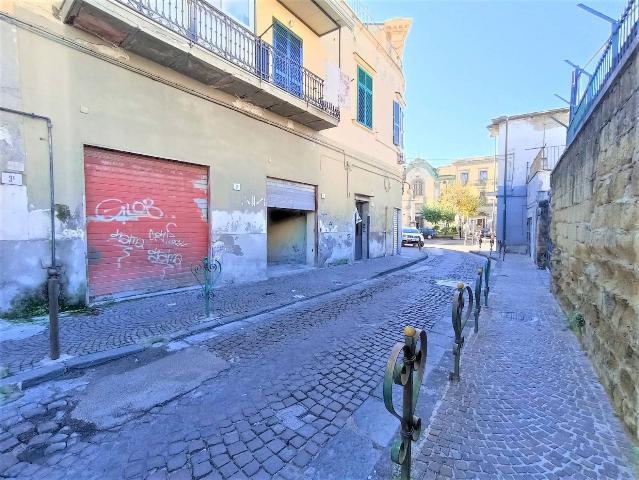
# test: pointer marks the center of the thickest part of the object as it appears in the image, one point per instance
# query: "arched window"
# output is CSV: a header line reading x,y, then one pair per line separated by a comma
x,y
418,186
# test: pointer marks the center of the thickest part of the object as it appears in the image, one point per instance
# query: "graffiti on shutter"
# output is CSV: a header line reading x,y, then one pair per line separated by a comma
x,y
147,221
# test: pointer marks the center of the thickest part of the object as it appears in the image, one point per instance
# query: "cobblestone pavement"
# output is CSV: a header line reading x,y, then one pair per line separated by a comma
x,y
129,322
528,405
294,379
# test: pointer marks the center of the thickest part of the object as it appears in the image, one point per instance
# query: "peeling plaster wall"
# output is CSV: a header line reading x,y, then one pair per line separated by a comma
x,y
595,230
93,102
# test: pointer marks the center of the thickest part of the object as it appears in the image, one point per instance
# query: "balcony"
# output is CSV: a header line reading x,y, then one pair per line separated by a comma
x,y
199,41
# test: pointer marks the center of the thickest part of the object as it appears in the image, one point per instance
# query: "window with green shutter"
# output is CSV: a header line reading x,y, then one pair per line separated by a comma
x,y
364,98
398,125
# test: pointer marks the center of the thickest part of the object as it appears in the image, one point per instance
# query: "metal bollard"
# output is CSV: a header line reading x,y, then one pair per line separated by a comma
x,y
409,374
486,279
478,280
458,325
207,273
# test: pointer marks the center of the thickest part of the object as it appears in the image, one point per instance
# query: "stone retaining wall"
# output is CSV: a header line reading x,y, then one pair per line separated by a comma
x,y
595,229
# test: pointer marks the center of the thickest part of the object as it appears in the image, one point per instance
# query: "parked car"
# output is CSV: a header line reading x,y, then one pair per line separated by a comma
x,y
412,236
428,233
485,232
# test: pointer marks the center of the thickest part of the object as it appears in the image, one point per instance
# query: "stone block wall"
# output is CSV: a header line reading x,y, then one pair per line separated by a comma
x,y
595,230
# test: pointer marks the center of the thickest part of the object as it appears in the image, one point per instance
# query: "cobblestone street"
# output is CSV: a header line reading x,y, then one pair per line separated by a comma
x,y
295,393
156,318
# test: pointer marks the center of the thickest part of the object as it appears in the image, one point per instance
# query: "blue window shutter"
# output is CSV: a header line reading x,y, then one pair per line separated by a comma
x,y
364,98
361,105
396,126
369,108
401,127
287,60
280,50
295,64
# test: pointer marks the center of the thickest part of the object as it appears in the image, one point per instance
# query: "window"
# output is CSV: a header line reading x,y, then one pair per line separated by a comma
x,y
364,98
398,125
287,59
240,10
418,187
463,178
483,177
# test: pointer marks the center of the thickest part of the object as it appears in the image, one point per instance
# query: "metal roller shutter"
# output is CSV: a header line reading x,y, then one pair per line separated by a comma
x,y
291,195
147,221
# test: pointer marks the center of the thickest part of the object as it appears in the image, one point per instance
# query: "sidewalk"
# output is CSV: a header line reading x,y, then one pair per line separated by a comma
x,y
128,326
528,404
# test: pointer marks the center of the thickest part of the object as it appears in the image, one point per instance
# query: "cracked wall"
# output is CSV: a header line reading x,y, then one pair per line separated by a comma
x,y
121,112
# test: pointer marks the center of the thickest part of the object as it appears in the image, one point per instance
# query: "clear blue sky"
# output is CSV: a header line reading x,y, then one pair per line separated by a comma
x,y
467,62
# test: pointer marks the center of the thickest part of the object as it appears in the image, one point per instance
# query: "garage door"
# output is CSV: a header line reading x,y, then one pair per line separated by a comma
x,y
146,222
291,195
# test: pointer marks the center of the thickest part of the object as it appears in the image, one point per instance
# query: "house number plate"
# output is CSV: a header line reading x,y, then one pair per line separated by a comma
x,y
11,178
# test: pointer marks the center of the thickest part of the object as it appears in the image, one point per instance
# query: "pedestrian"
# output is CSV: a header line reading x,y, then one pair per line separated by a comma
x,y
480,239
492,242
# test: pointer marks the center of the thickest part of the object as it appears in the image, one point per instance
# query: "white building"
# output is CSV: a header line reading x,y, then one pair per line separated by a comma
x,y
532,144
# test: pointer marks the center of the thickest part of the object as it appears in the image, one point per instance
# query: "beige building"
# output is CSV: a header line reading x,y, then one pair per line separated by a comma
x,y
424,184
258,133
479,174
421,187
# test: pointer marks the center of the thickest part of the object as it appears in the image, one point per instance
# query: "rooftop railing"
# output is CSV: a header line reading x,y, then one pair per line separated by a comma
x,y
213,30
617,47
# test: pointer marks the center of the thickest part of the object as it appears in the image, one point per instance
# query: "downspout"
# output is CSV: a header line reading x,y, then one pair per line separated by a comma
x,y
503,233
53,273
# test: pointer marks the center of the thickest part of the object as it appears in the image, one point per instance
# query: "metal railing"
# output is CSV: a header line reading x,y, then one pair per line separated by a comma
x,y
213,30
546,159
616,48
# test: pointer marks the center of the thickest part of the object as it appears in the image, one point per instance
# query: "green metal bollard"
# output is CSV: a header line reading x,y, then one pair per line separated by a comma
x,y
459,324
409,374
478,280
207,273
486,279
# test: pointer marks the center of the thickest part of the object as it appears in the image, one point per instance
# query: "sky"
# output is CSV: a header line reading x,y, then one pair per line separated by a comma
x,y
467,62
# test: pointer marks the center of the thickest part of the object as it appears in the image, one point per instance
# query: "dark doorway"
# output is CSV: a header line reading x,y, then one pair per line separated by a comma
x,y
362,224
286,236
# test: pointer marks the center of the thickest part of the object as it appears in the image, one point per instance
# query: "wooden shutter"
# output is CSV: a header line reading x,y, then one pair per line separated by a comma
x,y
364,98
396,123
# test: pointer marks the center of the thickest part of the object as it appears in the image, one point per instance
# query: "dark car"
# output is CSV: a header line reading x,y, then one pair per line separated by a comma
x,y
428,233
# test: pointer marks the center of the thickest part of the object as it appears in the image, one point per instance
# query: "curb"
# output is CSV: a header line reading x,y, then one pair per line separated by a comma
x,y
33,377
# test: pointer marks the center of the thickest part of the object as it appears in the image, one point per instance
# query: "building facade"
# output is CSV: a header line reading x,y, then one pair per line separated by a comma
x,y
421,187
532,144
479,175
425,184
256,133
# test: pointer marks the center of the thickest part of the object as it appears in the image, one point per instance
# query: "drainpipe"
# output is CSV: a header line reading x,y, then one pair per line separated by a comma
x,y
503,232
53,272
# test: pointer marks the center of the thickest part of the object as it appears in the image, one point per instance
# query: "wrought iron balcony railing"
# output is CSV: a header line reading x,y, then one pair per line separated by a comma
x,y
216,32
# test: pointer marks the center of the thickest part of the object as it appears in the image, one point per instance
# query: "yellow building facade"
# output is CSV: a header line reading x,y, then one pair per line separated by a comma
x,y
424,184
479,174
179,130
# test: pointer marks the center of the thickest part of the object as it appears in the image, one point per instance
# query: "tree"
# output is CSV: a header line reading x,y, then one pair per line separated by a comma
x,y
436,213
461,199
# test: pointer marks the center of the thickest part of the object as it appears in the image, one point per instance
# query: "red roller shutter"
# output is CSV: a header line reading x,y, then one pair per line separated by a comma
x,y
147,221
